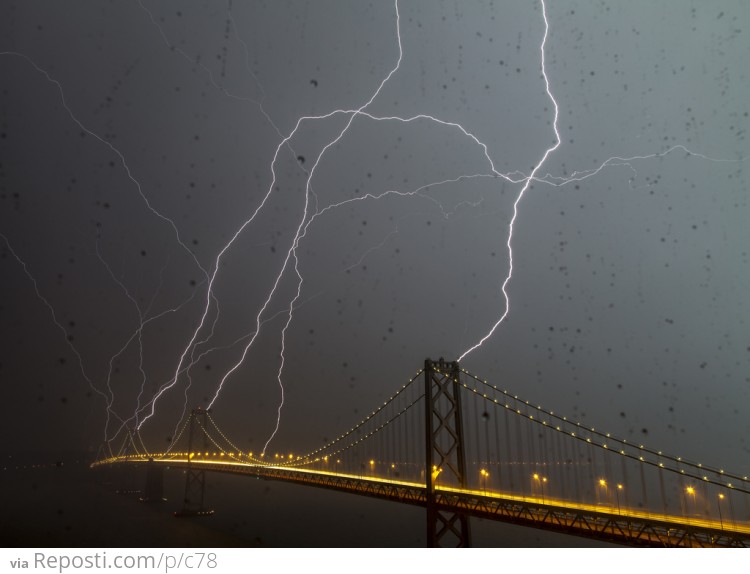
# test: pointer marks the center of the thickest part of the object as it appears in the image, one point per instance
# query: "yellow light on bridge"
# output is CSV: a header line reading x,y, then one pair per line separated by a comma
x,y
721,497
372,462
619,487
690,490
536,476
602,482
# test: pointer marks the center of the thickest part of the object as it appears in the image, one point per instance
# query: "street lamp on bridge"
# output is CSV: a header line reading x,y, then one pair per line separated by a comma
x,y
435,474
541,480
603,483
484,475
691,491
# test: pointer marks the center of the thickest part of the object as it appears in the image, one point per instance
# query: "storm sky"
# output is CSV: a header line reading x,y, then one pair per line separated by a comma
x,y
120,185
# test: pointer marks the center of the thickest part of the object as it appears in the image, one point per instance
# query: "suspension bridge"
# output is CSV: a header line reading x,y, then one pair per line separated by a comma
x,y
460,447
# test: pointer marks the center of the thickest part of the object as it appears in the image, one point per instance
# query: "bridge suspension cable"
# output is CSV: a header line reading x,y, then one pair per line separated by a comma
x,y
365,420
585,434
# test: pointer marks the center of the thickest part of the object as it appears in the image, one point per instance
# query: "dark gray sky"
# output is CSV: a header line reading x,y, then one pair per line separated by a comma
x,y
629,296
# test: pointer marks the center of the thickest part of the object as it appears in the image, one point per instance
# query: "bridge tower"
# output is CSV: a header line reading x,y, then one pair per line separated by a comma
x,y
195,476
128,478
445,459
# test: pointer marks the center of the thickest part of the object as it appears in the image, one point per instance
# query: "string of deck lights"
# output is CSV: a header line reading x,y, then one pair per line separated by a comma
x,y
300,460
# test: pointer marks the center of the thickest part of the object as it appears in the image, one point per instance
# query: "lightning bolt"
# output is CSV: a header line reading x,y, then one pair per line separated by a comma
x,y
143,320
114,150
57,323
303,225
206,325
201,356
131,177
524,189
295,243
512,177
139,332
559,181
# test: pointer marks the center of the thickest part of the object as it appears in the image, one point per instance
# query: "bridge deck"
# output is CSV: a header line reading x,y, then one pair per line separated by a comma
x,y
622,525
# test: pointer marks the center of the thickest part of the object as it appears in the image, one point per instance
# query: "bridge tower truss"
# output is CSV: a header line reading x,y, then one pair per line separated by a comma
x,y
195,476
445,458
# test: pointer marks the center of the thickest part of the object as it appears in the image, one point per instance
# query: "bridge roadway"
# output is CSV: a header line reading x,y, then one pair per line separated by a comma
x,y
627,526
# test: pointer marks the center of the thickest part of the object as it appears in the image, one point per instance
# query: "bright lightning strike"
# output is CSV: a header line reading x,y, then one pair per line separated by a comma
x,y
62,329
524,189
295,242
141,193
114,150
206,325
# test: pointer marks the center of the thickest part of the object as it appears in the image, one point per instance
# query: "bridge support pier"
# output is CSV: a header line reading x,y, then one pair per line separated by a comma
x,y
128,478
445,459
154,491
193,503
